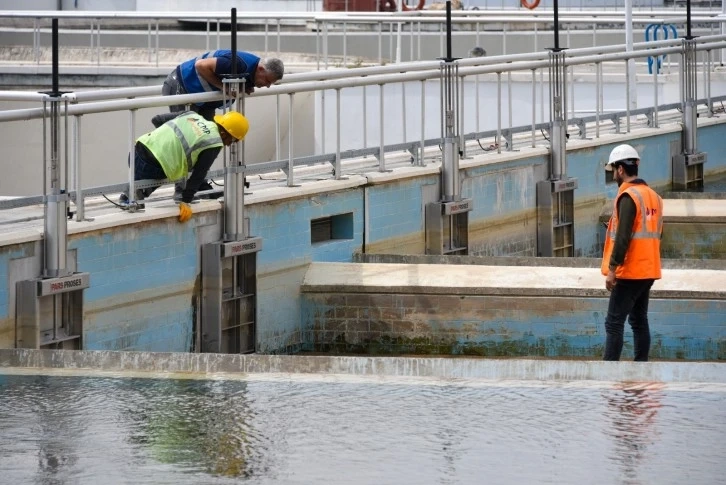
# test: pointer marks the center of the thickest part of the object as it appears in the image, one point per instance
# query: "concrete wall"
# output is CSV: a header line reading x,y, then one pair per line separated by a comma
x,y
502,326
145,267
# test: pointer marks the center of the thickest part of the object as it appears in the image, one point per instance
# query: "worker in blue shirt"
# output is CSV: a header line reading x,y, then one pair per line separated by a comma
x,y
206,72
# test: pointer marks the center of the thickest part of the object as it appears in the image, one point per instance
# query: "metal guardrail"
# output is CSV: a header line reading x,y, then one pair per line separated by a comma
x,y
83,103
329,26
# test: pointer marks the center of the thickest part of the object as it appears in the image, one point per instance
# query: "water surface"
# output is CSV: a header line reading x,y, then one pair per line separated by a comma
x,y
310,430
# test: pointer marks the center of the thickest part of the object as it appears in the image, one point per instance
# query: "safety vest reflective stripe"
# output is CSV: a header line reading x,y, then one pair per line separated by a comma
x,y
177,143
642,259
200,144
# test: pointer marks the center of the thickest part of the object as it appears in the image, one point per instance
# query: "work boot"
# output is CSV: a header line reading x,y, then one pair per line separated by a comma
x,y
123,201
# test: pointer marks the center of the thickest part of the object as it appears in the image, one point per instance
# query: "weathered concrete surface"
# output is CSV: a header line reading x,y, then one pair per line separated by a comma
x,y
181,365
523,261
498,280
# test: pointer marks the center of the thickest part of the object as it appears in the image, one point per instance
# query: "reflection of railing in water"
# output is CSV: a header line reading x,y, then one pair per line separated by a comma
x,y
506,136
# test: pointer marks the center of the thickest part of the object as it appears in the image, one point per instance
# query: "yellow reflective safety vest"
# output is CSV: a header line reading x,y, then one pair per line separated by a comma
x,y
177,143
642,259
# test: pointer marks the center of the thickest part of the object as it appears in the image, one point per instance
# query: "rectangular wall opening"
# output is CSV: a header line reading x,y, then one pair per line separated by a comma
x,y
331,228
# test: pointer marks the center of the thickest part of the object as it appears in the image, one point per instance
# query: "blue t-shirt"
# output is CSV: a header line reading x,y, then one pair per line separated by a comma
x,y
193,83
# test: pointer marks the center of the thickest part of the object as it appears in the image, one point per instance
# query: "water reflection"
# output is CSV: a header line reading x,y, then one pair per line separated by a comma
x,y
633,409
63,430
194,424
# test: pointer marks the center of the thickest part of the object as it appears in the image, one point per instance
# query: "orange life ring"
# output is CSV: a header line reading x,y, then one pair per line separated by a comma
x,y
530,5
420,5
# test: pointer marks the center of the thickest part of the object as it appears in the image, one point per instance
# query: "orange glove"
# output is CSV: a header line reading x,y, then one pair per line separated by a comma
x,y
185,212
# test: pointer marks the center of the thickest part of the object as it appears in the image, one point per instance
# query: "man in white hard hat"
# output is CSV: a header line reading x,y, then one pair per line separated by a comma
x,y
631,257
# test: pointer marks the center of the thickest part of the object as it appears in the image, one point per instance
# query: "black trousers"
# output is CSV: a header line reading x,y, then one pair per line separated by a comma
x,y
629,299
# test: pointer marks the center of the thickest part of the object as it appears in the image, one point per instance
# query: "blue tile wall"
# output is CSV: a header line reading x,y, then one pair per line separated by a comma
x,y
395,209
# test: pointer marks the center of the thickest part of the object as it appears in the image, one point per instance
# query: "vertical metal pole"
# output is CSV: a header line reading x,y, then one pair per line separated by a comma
x,y
460,92
317,44
381,123
655,98
337,135
534,107
325,45
267,38
509,105
365,119
277,127
628,75
558,113
345,44
98,43
476,104
419,40
36,39
132,151
423,122
499,112
80,202
707,83
598,98
691,88
156,47
148,41
56,197
322,121
403,110
290,158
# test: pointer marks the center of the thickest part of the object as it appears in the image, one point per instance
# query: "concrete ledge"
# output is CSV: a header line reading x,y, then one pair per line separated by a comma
x,y
182,365
497,280
715,264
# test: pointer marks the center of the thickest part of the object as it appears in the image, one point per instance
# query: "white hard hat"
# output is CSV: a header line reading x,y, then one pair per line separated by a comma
x,y
623,154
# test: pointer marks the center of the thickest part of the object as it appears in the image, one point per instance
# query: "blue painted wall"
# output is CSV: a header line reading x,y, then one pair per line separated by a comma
x,y
144,278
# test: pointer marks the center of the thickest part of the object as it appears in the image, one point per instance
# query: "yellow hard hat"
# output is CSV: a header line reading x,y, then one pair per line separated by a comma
x,y
234,123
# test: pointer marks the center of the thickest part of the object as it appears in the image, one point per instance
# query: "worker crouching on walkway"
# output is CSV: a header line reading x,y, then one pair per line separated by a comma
x,y
631,257
186,143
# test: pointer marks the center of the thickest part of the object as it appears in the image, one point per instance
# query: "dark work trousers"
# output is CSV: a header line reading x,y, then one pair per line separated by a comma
x,y
629,299
173,86
145,169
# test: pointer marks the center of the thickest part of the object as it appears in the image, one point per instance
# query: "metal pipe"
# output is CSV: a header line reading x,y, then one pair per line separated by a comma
x,y
77,174
337,135
277,127
290,156
499,113
534,107
423,123
381,123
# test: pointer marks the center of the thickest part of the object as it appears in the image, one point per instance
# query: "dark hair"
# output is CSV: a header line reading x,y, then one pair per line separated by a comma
x,y
630,170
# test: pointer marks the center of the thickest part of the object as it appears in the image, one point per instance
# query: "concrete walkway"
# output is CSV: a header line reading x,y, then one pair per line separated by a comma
x,y
498,280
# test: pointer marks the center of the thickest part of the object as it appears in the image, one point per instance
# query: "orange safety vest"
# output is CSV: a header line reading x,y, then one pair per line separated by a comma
x,y
642,259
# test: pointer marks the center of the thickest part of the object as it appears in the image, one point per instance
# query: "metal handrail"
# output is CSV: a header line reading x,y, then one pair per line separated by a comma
x,y
95,101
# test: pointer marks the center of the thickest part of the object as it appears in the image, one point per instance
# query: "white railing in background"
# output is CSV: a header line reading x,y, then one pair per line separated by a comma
x,y
506,135
333,28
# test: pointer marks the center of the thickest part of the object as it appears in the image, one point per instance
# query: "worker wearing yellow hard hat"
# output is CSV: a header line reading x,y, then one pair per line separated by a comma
x,y
187,143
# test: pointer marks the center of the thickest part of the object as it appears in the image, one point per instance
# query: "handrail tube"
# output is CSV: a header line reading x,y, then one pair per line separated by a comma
x,y
268,167
161,101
